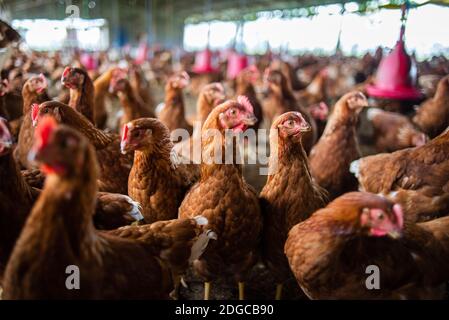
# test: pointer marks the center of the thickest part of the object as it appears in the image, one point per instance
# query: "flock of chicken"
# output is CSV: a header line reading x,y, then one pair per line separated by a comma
x,y
134,219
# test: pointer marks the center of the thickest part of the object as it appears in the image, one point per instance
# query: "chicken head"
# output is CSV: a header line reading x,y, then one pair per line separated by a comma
x,y
73,78
36,84
380,222
291,125
59,149
236,116
142,133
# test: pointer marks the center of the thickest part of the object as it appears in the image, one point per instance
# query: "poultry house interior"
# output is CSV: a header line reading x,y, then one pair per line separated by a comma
x,y
224,150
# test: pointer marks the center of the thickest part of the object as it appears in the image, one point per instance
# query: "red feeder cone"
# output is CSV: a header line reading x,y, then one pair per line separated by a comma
x,y
203,62
236,63
88,61
393,79
142,53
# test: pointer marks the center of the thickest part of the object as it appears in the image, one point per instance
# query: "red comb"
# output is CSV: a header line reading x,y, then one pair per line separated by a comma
x,y
66,71
244,101
34,111
44,130
125,132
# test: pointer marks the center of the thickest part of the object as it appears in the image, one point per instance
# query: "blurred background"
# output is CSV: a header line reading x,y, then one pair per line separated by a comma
x,y
253,26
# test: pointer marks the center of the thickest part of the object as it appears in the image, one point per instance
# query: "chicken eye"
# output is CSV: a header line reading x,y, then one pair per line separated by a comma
x,y
136,133
232,112
45,110
63,144
289,123
381,216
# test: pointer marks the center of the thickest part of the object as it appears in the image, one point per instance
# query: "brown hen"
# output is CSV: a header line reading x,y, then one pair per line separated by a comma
x,y
34,91
158,180
114,166
433,115
59,234
334,252
81,91
417,178
225,199
290,195
331,157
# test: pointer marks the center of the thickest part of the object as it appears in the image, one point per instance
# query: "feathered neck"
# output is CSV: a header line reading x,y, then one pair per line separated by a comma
x,y
215,148
174,99
341,117
66,206
101,84
97,137
203,108
285,152
160,153
33,97
129,101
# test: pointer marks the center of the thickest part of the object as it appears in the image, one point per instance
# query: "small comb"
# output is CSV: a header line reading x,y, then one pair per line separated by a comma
x,y
44,130
125,132
66,71
34,111
244,101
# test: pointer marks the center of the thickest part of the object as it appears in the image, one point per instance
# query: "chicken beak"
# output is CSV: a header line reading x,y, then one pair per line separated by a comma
x,y
305,127
123,145
250,120
394,234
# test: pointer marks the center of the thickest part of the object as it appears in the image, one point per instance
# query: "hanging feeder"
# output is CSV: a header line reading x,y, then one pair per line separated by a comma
x,y
393,78
142,53
236,61
88,61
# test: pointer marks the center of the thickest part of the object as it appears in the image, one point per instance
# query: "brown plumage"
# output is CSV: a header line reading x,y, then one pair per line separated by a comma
x,y
329,253
210,96
290,195
114,166
417,178
114,210
60,233
226,200
338,147
158,179
173,113
34,177
141,86
177,242
81,91
34,91
244,86
393,131
280,99
132,104
101,88
433,115
315,92
16,197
